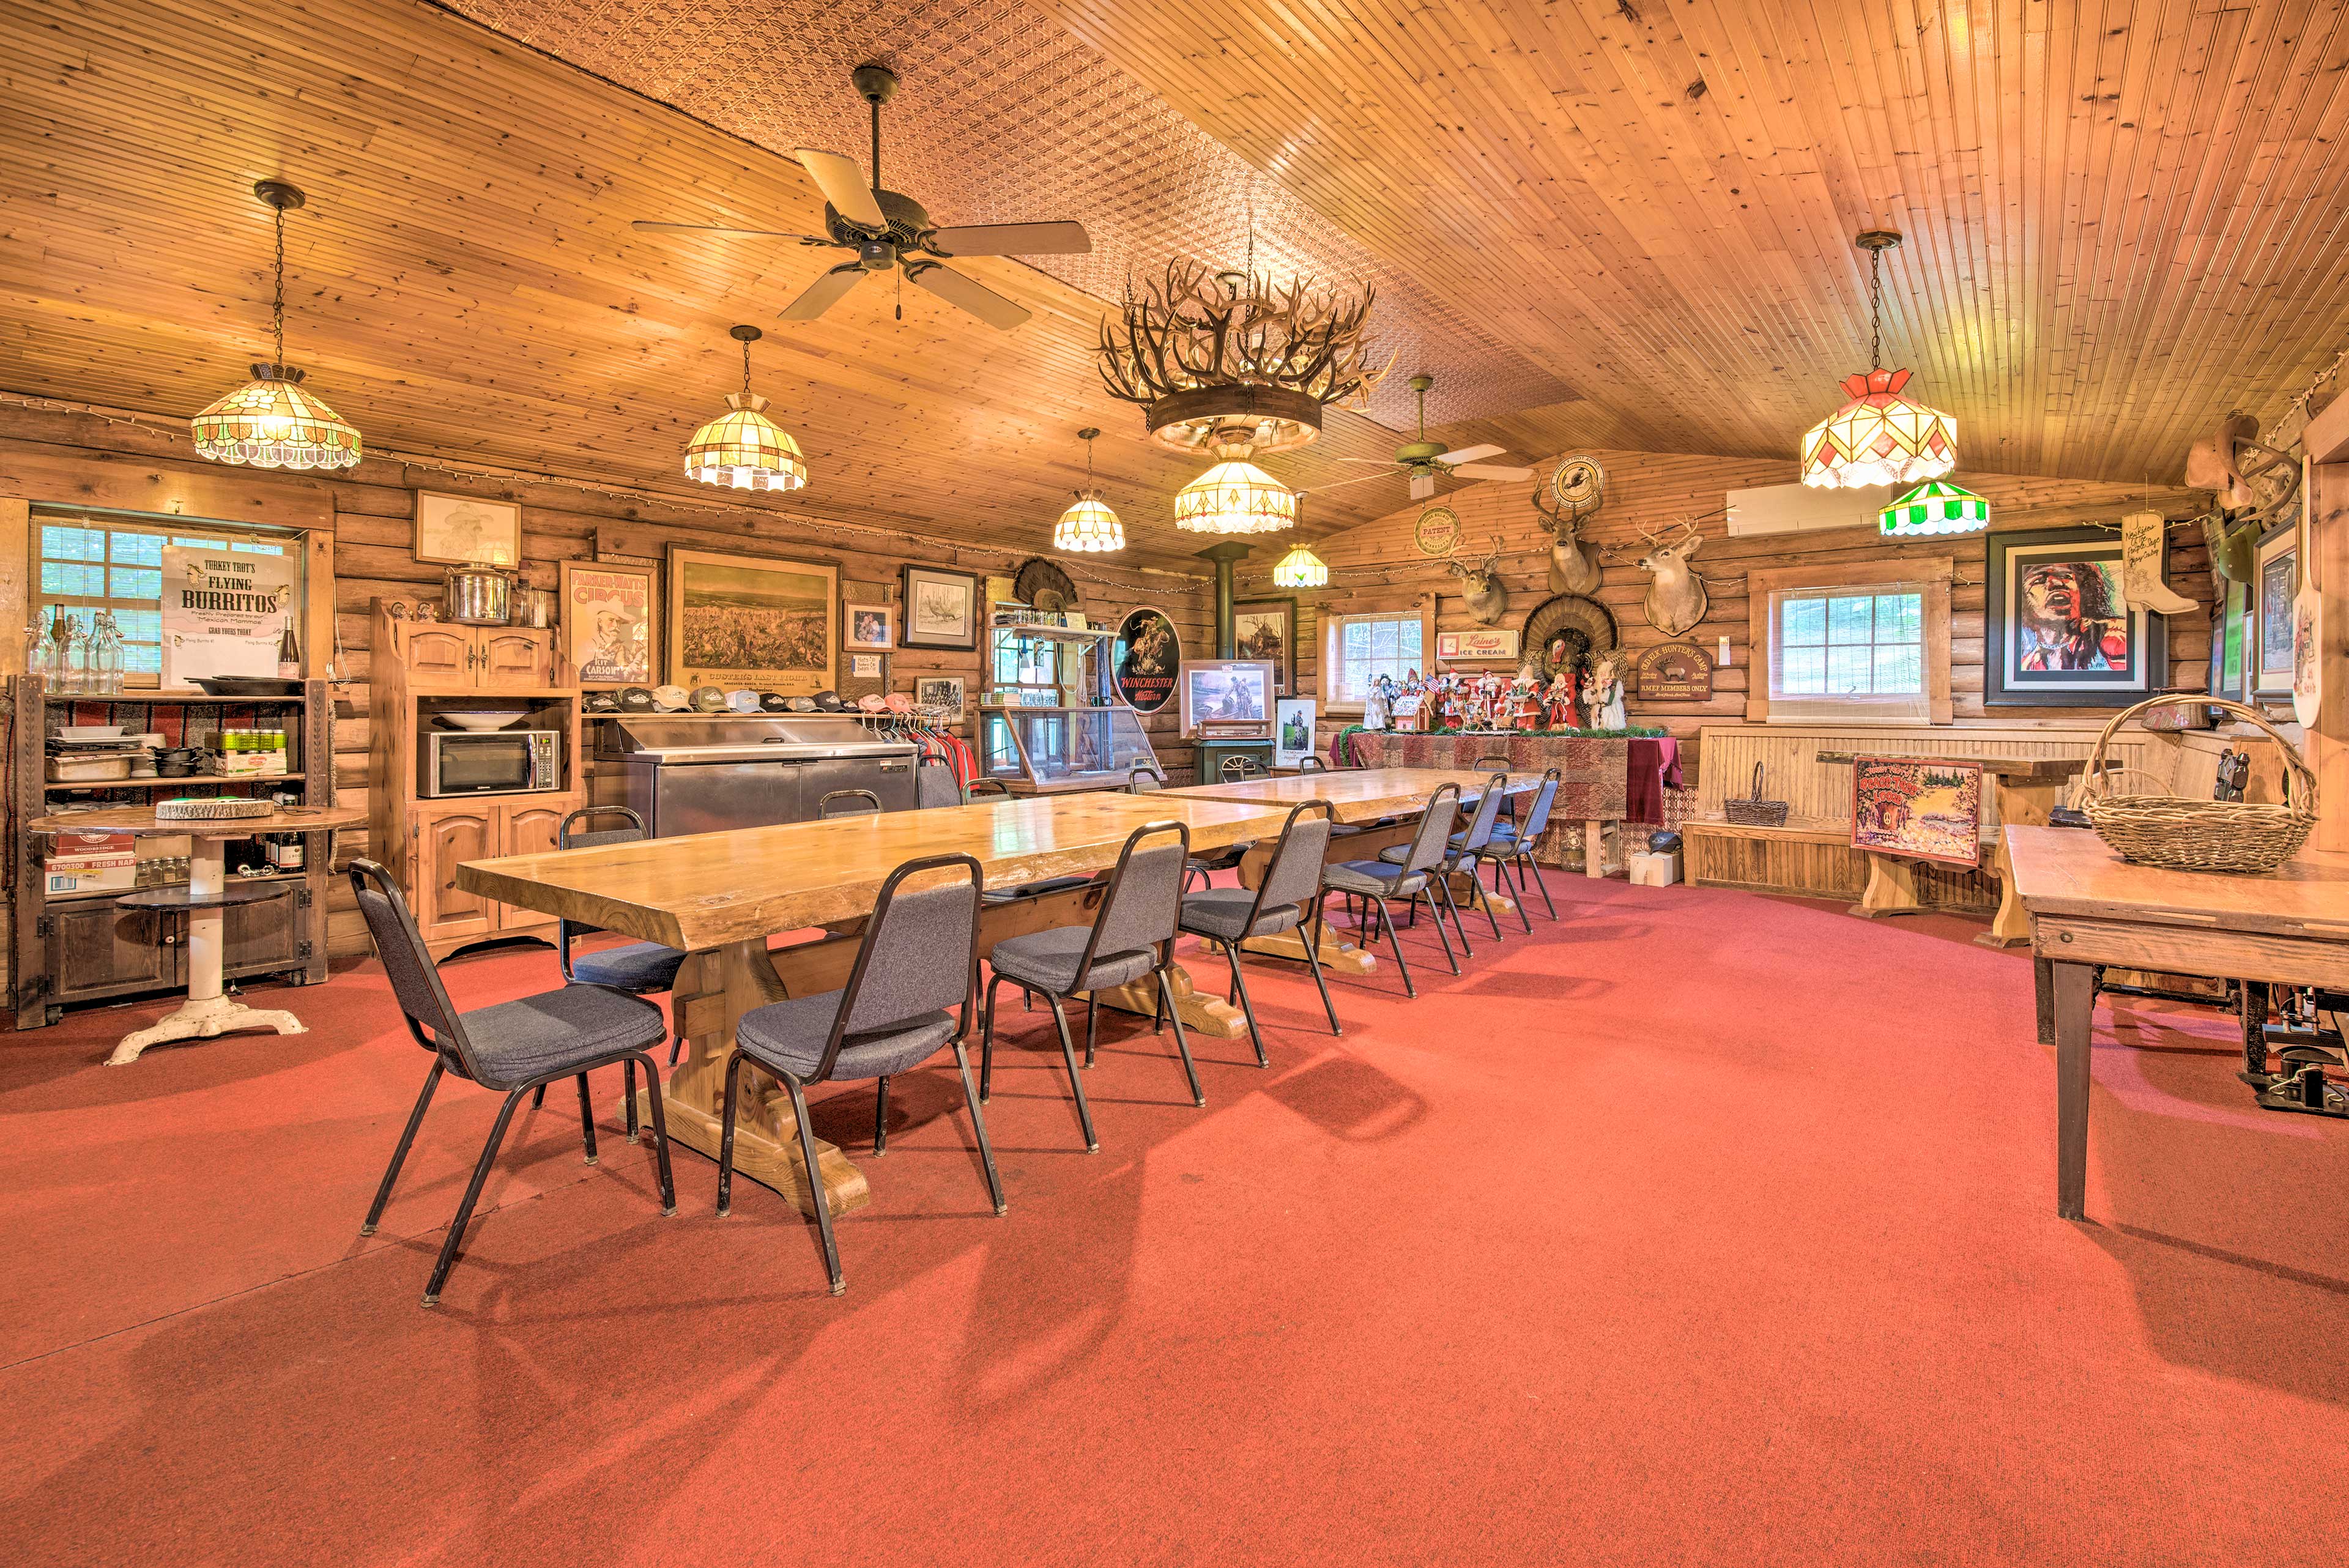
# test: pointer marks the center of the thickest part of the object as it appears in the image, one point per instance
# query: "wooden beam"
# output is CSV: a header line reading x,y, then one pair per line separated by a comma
x,y
2327,490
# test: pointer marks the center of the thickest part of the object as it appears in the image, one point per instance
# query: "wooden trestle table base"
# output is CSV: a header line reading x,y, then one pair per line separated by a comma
x,y
209,1011
719,896
2088,907
1357,795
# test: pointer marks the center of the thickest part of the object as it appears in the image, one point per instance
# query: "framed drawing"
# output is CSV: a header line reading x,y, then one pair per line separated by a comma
x,y
2275,586
752,620
1143,659
456,529
1916,808
1265,630
607,623
942,692
871,628
1228,692
941,607
2058,630
1292,731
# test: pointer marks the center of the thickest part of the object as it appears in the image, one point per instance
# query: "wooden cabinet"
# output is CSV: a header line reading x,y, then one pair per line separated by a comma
x,y
96,950
512,658
442,653
442,837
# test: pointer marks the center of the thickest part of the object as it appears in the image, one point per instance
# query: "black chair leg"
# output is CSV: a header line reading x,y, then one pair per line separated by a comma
x,y
660,1136
538,1097
628,1093
1443,885
881,1121
1182,1044
587,1119
472,1195
987,1040
1490,914
1247,1008
1313,962
978,1125
1092,1017
1395,942
734,1066
1527,867
1441,934
1517,890
676,1044
399,1155
1076,1085
1158,1014
816,1185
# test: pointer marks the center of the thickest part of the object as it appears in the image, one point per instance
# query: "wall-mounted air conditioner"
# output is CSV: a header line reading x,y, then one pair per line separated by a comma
x,y
1800,509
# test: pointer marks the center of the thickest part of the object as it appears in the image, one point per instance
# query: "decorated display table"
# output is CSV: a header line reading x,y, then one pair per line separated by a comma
x,y
1600,779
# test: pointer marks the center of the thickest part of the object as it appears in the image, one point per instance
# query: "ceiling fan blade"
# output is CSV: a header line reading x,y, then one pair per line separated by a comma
x,y
824,293
842,185
1469,454
967,294
1486,470
1013,240
647,226
1358,479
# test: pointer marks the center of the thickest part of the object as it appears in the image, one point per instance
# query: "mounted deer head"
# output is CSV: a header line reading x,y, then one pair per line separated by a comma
x,y
1676,598
1481,586
1573,565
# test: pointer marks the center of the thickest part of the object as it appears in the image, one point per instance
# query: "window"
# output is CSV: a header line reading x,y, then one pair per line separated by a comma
x,y
1361,648
89,562
1866,642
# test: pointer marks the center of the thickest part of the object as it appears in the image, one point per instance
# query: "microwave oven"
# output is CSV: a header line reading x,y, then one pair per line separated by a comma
x,y
488,761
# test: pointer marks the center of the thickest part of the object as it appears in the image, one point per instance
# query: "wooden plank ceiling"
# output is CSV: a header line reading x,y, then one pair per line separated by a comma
x,y
463,282
2123,219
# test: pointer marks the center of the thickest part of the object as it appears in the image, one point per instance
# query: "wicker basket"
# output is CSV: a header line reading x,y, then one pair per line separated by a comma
x,y
2233,835
1755,812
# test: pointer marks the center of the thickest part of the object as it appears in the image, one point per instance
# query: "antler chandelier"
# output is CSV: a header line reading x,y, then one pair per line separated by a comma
x,y
1231,359
1879,437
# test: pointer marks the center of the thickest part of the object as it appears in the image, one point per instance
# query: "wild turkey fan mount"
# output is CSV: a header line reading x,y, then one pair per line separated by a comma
x,y
888,229
1042,586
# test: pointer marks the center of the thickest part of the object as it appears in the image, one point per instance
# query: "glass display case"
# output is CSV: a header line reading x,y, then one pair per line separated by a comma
x,y
1047,666
1039,750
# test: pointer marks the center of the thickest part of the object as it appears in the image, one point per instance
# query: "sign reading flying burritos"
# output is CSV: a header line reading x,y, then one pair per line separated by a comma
x,y
224,612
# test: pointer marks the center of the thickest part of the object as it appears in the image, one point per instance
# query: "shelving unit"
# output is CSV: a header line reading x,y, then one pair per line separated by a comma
x,y
104,947
1048,748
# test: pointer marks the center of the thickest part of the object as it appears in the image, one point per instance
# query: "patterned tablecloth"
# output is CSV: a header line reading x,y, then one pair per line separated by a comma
x,y
1599,780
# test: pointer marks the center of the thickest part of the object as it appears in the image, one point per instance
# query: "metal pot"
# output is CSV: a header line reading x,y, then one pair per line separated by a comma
x,y
477,595
532,607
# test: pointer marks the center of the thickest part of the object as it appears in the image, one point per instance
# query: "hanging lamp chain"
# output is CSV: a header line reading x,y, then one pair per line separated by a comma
x,y
1876,310
745,367
277,302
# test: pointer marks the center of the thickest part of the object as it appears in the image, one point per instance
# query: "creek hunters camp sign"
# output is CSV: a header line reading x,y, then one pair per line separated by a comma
x,y
1145,660
1675,672
223,612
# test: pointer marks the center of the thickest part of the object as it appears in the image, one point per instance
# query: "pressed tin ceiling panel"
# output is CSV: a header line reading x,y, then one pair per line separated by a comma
x,y
1001,116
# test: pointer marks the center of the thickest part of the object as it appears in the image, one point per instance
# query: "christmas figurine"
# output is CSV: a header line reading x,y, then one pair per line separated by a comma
x,y
1604,700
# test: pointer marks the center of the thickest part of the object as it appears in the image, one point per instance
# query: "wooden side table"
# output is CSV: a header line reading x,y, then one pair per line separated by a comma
x,y
206,898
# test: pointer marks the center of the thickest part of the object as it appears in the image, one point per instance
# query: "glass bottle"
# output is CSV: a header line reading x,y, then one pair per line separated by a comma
x,y
105,655
289,655
73,657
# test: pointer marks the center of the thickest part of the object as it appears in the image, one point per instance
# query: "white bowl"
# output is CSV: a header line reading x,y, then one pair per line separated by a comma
x,y
90,732
479,720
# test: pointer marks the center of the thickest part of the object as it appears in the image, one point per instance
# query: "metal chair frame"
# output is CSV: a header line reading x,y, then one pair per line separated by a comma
x,y
823,812
1432,839
1257,911
565,930
1535,823
796,1087
456,1055
1162,970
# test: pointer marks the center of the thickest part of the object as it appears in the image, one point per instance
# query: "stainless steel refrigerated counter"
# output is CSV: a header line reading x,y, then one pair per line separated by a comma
x,y
706,774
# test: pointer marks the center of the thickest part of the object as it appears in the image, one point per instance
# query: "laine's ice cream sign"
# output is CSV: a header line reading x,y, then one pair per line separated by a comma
x,y
223,612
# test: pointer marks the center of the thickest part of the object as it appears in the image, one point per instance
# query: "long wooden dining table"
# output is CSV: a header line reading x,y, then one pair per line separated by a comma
x,y
719,896
1394,799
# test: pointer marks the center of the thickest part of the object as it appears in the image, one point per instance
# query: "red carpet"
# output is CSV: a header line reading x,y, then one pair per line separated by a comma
x,y
1698,1228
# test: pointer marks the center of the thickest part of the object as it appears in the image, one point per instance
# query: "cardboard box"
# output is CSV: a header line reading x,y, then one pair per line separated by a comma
x,y
74,876
1652,870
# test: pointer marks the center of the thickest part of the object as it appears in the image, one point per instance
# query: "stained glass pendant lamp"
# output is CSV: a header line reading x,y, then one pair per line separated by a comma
x,y
1879,437
742,448
1301,569
1089,525
1934,507
270,421
1235,496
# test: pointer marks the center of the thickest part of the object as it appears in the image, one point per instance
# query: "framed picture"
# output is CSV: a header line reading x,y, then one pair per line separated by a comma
x,y
1490,645
2275,586
1292,731
941,608
1143,658
1918,808
608,615
752,620
1265,630
457,529
864,667
939,691
2058,631
870,628
1223,691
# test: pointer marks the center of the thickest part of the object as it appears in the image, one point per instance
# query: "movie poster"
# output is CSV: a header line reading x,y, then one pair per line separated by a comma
x,y
225,611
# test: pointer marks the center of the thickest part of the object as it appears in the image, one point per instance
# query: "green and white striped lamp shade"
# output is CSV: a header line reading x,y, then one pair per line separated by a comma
x,y
1301,569
1934,507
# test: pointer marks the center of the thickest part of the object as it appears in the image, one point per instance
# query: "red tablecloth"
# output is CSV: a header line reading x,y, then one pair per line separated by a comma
x,y
1599,780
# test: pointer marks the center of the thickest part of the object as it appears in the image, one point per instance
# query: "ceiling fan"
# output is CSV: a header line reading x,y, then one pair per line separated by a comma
x,y
1427,461
887,228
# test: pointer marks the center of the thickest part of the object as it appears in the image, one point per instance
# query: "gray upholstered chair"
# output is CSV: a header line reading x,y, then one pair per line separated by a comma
x,y
918,957
1292,880
1410,877
1464,850
1133,936
638,968
1513,844
1147,780
935,784
514,1046
846,802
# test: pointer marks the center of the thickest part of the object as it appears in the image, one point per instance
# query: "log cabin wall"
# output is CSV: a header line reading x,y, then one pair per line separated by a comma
x,y
78,459
1377,566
